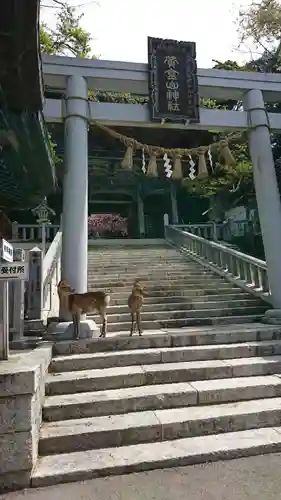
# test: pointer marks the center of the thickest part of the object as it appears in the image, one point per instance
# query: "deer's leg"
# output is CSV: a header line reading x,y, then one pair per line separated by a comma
x,y
138,321
104,325
103,317
132,324
78,326
74,321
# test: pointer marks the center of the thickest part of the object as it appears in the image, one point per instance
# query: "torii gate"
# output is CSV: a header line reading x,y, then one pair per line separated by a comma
x,y
75,76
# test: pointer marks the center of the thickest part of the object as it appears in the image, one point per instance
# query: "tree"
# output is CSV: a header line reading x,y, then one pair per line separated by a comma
x,y
260,24
68,38
228,184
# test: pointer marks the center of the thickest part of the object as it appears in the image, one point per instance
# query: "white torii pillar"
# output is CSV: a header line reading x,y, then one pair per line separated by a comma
x,y
267,195
75,193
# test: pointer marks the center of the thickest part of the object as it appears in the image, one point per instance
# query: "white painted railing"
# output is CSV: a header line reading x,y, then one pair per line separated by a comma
x,y
216,231
238,268
51,276
33,232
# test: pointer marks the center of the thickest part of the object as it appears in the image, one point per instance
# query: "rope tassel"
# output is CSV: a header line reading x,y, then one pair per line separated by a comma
x,y
226,153
202,166
177,167
127,161
152,170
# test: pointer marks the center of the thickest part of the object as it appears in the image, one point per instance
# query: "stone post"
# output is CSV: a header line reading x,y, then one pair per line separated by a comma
x,y
140,216
267,195
75,186
74,261
35,300
174,204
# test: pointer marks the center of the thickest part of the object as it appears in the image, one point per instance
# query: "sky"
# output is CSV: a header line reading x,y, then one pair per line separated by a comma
x,y
120,27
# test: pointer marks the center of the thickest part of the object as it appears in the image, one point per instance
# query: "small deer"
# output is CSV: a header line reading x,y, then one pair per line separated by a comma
x,y
83,303
135,303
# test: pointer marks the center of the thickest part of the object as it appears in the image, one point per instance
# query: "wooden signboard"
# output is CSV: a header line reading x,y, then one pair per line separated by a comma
x,y
173,83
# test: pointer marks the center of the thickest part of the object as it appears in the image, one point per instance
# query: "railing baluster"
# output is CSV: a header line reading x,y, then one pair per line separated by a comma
x,y
235,268
239,268
254,276
245,270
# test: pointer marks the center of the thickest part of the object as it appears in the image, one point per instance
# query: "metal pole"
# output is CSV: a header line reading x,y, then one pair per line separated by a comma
x,y
4,320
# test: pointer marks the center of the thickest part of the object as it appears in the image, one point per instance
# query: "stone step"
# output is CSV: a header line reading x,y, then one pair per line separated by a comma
x,y
163,283
133,252
142,275
181,291
132,376
122,279
153,426
119,327
174,289
159,396
154,265
194,336
190,305
153,269
131,249
182,314
55,469
112,260
99,360
203,299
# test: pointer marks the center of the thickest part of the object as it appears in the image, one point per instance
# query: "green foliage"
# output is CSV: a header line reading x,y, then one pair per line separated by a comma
x,y
117,97
53,149
226,183
68,38
230,183
228,65
260,22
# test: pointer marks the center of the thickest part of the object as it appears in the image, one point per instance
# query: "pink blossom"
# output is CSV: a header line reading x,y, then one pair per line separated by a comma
x,y
108,223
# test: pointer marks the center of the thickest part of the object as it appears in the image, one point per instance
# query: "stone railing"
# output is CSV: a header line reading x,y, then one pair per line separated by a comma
x,y
208,230
50,277
216,231
33,232
238,268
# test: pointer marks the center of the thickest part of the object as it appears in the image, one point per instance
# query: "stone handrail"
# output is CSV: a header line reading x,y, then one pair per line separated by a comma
x,y
208,230
33,232
51,276
243,270
215,231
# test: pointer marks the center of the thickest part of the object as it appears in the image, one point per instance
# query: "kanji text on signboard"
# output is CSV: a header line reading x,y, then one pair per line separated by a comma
x,y
14,271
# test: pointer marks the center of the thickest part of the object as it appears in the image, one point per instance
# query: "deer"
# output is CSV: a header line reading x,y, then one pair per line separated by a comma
x,y
135,303
83,303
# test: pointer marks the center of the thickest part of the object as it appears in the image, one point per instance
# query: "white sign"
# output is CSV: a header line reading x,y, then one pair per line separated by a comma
x,y
14,271
7,251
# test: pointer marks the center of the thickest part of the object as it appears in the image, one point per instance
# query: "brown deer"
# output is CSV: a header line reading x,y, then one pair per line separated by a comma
x,y
135,303
83,303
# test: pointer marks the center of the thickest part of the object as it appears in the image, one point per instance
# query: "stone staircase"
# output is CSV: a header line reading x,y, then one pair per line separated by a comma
x,y
125,404
179,292
190,390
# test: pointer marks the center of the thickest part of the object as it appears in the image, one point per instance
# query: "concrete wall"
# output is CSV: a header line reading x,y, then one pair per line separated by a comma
x,y
22,392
